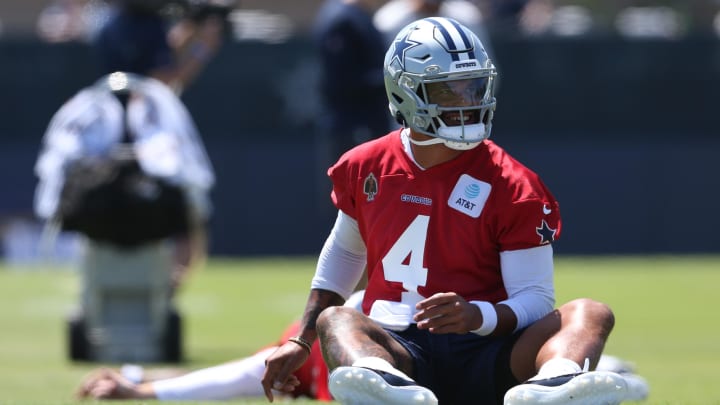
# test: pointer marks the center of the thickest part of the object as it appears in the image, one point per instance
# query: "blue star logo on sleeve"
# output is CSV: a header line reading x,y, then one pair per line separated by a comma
x,y
401,46
547,234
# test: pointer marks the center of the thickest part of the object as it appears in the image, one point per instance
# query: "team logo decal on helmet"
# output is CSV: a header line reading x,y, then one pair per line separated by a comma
x,y
401,46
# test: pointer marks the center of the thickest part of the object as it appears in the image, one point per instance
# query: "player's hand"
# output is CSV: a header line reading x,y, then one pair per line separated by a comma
x,y
447,313
106,383
279,368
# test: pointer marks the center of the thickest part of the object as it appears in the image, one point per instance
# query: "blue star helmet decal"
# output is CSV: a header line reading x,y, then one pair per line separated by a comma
x,y
547,234
401,46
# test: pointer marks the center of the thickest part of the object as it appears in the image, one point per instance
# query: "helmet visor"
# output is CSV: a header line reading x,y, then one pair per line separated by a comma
x,y
457,93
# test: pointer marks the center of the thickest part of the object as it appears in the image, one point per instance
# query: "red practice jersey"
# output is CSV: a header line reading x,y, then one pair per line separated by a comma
x,y
441,229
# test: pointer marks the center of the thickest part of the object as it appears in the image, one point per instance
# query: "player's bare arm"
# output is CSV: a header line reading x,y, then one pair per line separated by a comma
x,y
281,365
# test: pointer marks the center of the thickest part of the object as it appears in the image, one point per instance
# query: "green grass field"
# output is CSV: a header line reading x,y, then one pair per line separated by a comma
x,y
665,306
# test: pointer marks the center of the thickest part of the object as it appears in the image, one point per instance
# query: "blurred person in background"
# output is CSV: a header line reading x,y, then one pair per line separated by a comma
x,y
169,40
351,51
122,164
503,16
396,14
96,127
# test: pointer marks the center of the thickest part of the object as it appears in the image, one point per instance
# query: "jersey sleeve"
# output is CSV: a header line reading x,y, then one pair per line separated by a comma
x,y
342,194
530,222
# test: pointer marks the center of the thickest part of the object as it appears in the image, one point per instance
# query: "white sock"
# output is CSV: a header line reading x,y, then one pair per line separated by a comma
x,y
557,366
376,363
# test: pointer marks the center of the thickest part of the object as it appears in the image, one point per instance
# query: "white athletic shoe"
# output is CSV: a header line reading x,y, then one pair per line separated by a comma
x,y
638,387
615,364
364,386
588,388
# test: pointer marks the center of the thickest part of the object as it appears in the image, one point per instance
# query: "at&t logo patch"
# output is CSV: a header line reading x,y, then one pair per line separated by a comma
x,y
469,195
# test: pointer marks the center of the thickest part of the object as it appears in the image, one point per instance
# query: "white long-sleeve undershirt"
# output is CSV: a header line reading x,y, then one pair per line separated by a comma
x,y
528,278
342,259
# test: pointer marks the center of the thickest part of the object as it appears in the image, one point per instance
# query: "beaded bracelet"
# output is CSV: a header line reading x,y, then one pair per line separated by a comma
x,y
302,342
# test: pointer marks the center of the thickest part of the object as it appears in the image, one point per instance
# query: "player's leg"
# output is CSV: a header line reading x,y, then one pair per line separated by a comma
x,y
557,353
347,335
575,331
368,365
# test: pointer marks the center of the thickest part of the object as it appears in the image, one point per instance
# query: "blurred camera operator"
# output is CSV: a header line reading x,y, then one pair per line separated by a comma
x,y
169,40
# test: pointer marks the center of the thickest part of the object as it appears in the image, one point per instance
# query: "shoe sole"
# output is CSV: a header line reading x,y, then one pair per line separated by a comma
x,y
638,388
361,386
593,388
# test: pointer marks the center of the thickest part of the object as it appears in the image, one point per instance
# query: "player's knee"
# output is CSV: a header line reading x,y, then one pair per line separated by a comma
x,y
332,316
594,312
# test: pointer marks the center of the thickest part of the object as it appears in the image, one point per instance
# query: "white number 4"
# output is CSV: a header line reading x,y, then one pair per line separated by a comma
x,y
411,243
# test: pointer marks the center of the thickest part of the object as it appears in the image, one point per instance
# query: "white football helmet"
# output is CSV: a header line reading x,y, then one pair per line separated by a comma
x,y
440,82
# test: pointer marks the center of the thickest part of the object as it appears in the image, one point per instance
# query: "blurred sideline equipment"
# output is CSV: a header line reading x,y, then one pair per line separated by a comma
x,y
127,306
123,165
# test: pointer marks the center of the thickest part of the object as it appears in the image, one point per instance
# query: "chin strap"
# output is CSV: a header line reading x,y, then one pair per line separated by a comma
x,y
431,141
456,145
447,136
462,145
